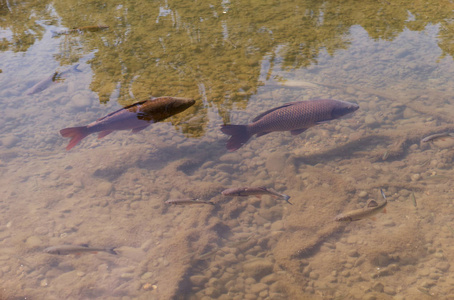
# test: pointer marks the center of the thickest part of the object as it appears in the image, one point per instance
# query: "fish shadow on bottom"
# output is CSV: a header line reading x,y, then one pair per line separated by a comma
x,y
345,151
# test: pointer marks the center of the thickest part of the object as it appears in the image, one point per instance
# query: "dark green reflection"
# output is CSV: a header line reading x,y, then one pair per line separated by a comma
x,y
206,49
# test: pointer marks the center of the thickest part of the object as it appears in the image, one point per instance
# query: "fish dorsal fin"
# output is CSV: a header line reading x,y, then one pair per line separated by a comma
x,y
126,107
271,110
372,203
84,245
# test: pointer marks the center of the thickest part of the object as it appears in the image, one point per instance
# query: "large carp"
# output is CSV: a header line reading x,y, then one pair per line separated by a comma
x,y
295,117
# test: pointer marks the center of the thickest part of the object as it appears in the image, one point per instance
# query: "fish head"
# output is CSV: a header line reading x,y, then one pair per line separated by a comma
x,y
342,108
179,104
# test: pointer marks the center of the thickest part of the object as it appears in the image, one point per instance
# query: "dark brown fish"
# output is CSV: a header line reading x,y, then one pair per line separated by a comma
x,y
76,249
254,191
295,117
187,202
45,83
80,30
135,117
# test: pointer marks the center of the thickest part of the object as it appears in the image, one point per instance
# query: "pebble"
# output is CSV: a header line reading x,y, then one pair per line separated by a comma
x,y
443,266
126,275
250,280
277,226
198,280
34,242
362,194
314,275
415,177
276,162
146,276
231,158
43,283
378,287
230,258
370,121
41,230
258,287
104,188
80,100
10,141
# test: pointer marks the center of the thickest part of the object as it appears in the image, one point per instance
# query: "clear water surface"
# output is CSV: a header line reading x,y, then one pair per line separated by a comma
x,y
236,59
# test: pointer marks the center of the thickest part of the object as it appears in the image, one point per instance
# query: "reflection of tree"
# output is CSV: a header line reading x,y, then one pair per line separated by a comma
x,y
214,51
19,18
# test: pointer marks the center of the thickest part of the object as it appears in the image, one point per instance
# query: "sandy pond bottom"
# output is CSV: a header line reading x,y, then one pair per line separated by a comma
x,y
111,193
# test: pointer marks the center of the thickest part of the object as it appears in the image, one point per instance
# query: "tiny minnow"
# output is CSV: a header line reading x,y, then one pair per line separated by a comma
x,y
295,117
74,249
254,191
45,83
437,136
187,201
136,117
371,209
80,30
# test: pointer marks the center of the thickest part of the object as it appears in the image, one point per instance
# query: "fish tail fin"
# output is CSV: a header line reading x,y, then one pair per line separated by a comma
x,y
239,136
286,198
75,133
112,251
76,69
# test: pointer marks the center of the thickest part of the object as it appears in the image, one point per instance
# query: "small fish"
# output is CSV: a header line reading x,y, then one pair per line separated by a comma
x,y
77,249
371,209
385,155
295,117
45,83
254,191
187,202
434,137
413,199
80,30
136,117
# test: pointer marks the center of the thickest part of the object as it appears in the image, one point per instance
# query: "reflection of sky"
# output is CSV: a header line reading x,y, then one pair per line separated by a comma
x,y
6,34
225,6
163,12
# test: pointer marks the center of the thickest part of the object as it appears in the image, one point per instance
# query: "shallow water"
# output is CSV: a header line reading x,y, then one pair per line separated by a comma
x,y
236,60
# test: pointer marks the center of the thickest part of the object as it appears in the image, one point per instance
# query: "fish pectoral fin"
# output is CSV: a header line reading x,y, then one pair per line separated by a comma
x,y
104,133
384,210
298,131
137,129
373,218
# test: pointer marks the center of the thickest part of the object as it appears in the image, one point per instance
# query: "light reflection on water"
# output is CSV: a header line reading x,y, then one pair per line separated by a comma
x,y
111,192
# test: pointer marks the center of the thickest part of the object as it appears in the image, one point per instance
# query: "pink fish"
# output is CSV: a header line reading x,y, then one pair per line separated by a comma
x,y
135,117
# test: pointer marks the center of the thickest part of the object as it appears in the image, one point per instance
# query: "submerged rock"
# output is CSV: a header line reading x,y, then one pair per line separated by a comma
x,y
258,268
